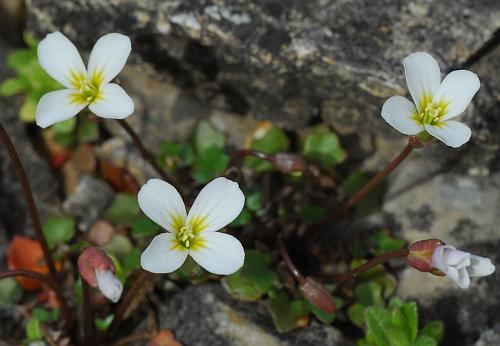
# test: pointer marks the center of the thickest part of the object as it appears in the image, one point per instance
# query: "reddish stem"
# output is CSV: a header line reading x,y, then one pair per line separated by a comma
x,y
126,301
370,264
88,318
144,152
413,143
289,263
66,315
241,154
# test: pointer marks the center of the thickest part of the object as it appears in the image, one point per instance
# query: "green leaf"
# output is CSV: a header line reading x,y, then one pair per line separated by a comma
x,y
10,292
355,313
59,230
425,341
28,110
65,127
323,146
410,325
254,279
369,293
383,242
372,200
88,131
377,320
207,137
144,227
30,40
433,329
312,213
323,316
242,219
12,86
33,331
209,164
21,58
252,201
103,323
44,315
119,246
124,210
131,261
275,140
286,313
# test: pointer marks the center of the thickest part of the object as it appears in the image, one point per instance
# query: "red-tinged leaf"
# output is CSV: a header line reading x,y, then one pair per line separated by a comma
x,y
119,178
164,338
26,253
316,294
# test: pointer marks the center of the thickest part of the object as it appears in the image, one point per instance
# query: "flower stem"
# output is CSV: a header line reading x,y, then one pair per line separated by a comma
x,y
88,318
241,154
144,152
121,311
289,263
30,202
66,314
33,212
413,143
370,264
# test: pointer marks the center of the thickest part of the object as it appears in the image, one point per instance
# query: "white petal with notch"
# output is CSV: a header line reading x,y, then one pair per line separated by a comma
x,y
398,111
452,133
112,103
109,55
423,76
457,90
163,255
57,106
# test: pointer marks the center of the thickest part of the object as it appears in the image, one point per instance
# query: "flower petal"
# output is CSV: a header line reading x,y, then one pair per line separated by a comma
x,y
112,102
60,59
108,57
398,111
109,285
422,77
452,133
218,203
463,278
161,202
456,91
163,255
480,266
220,253
57,106
455,257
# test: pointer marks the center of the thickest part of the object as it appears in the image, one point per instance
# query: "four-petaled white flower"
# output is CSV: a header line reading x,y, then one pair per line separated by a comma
x,y
459,265
85,86
194,234
436,102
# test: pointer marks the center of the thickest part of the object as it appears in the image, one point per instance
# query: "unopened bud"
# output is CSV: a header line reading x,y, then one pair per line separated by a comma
x,y
420,256
97,269
316,294
289,163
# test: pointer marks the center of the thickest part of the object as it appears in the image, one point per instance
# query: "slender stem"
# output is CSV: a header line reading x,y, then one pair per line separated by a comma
x,y
370,264
135,287
413,143
144,152
289,263
33,212
66,314
30,202
240,154
88,318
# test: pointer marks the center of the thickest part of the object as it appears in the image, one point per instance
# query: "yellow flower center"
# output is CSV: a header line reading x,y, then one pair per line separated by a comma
x,y
185,236
430,113
87,89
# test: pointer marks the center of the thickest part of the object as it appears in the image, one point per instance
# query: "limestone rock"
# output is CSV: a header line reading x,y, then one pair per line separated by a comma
x,y
207,315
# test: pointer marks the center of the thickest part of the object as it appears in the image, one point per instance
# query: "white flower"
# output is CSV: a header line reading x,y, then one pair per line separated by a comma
x,y
194,234
436,102
459,265
85,86
108,284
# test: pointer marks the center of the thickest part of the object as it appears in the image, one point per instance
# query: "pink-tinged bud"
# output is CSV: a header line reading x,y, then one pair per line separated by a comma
x,y
316,294
97,269
420,255
289,163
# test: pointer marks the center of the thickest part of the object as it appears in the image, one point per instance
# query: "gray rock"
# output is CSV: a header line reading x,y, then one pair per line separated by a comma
x,y
491,337
14,218
287,63
88,201
207,315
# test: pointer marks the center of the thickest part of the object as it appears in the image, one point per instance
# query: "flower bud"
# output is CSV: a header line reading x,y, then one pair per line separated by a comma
x,y
316,294
420,255
97,269
289,163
